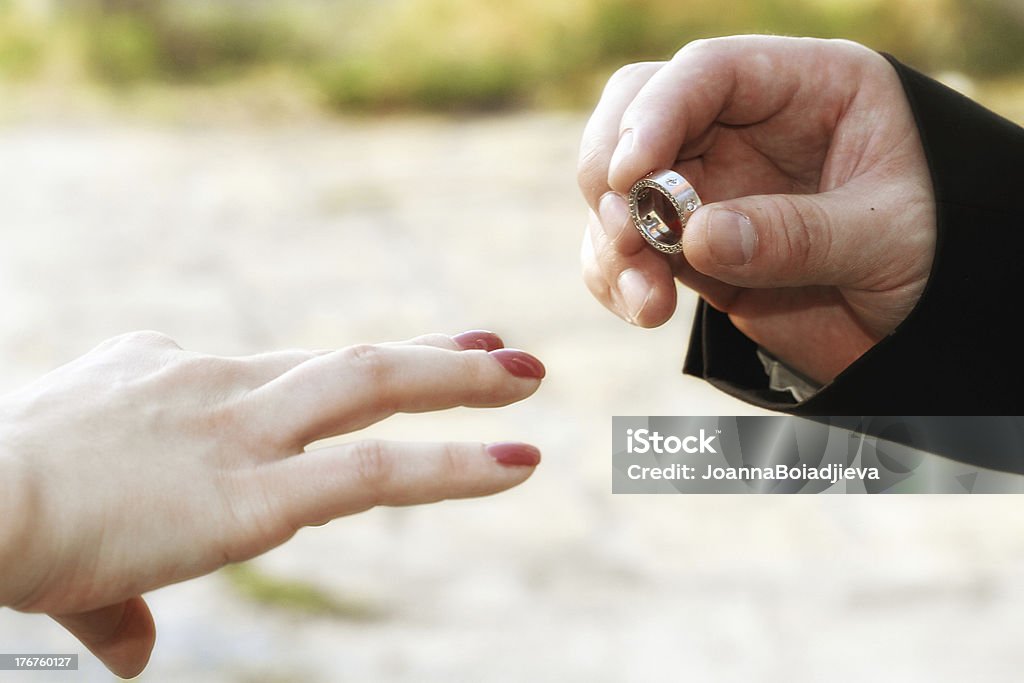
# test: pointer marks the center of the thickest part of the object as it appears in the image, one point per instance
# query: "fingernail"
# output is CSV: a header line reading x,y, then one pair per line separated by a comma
x,y
614,214
514,454
635,291
622,150
731,237
519,363
478,339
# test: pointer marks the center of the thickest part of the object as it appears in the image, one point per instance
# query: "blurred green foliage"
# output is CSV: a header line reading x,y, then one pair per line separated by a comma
x,y
129,40
293,595
461,54
21,48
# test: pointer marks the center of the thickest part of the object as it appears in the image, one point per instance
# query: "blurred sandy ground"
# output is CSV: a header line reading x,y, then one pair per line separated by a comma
x,y
235,238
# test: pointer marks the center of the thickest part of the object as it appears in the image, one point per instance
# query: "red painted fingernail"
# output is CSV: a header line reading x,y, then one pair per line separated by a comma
x,y
514,454
478,339
520,363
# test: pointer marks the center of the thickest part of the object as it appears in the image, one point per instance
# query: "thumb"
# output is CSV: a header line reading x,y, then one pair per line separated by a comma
x,y
121,636
783,240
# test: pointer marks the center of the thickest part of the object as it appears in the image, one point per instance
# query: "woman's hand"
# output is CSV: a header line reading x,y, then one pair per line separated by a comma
x,y
140,464
818,227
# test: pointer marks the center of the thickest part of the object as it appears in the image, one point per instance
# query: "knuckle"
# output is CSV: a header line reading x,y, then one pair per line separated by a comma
x,y
371,363
450,465
145,338
626,73
369,360
372,467
699,47
481,380
133,358
476,369
807,234
469,369
853,49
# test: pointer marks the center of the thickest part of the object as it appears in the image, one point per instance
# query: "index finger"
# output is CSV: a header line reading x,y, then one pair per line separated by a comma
x,y
601,134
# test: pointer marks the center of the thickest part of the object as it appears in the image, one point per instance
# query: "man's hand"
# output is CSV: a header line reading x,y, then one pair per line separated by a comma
x,y
817,232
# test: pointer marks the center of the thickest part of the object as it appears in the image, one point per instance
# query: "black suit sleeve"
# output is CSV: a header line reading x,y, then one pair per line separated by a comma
x,y
955,354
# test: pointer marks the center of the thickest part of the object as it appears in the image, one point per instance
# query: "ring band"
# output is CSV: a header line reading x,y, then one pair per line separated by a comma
x,y
661,203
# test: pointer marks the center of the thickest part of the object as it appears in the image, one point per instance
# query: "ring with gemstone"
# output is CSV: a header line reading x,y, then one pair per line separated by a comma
x,y
661,203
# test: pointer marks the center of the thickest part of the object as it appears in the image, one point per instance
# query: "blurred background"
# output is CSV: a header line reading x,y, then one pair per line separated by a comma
x,y
251,175
450,55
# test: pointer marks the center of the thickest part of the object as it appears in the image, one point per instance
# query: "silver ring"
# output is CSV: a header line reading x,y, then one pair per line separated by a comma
x,y
661,203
